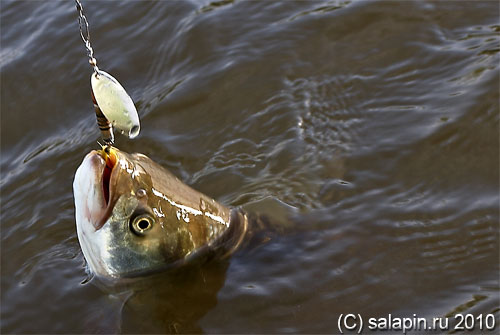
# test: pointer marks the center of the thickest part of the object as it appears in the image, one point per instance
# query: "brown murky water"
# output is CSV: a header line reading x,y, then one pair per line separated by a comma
x,y
377,122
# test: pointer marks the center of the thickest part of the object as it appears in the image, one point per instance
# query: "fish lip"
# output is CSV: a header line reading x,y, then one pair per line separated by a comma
x,y
97,165
99,171
89,199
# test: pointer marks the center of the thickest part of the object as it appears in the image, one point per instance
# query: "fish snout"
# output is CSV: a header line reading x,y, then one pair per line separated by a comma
x,y
88,189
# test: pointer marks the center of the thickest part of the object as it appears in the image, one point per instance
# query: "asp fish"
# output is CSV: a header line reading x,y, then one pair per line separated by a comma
x,y
133,216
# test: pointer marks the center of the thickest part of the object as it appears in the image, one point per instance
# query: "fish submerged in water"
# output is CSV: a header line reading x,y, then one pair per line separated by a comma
x,y
134,217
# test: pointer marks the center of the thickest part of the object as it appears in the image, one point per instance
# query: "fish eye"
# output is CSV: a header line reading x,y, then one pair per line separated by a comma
x,y
141,224
141,192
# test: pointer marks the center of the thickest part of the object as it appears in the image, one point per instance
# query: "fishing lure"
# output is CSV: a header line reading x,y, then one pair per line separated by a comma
x,y
113,106
115,103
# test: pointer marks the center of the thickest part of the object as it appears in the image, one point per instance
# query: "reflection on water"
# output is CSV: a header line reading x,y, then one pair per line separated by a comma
x,y
375,125
164,309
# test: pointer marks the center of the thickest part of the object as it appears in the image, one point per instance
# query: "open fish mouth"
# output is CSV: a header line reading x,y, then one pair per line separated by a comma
x,y
110,159
93,187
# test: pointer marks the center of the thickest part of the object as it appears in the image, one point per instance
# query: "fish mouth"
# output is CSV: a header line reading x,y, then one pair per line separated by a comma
x,y
93,186
110,161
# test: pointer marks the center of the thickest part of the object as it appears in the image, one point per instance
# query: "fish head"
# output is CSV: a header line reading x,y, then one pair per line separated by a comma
x,y
133,216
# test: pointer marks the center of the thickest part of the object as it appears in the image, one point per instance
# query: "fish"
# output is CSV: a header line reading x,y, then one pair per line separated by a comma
x,y
134,217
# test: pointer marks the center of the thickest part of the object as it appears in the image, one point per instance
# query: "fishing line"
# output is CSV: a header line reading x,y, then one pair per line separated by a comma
x,y
85,34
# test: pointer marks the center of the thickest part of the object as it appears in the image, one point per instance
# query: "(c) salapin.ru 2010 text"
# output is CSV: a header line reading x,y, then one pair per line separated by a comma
x,y
354,322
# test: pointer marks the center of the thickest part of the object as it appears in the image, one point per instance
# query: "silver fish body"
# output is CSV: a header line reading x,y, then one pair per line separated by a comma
x,y
135,217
